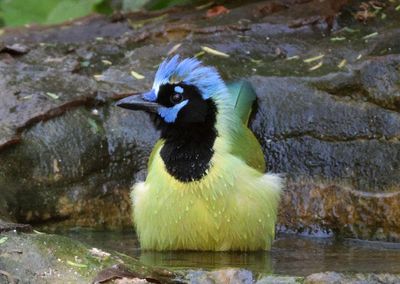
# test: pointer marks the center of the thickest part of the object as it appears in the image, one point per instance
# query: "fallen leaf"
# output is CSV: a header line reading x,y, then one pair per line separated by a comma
x,y
28,97
140,23
293,57
98,77
256,61
93,126
76,264
106,62
370,35
56,167
214,51
377,5
201,7
316,66
85,63
339,38
174,48
342,63
52,95
3,240
368,10
137,76
312,59
216,11
350,30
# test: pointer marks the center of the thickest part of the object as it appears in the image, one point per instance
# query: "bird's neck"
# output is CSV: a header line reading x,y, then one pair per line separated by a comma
x,y
188,149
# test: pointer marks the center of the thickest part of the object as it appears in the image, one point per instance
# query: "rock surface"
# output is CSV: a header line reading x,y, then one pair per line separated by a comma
x,y
41,258
236,276
68,157
333,277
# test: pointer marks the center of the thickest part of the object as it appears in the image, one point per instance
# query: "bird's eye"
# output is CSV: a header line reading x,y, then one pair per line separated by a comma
x,y
176,98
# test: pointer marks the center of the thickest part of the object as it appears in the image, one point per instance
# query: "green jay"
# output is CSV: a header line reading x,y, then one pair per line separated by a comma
x,y
206,187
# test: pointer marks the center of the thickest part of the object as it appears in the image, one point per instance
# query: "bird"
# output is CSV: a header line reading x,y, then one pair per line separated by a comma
x,y
206,188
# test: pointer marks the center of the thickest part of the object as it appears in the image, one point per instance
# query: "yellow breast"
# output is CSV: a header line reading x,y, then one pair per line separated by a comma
x,y
233,207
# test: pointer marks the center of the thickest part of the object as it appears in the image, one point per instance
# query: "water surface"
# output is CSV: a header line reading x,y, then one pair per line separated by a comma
x,y
290,255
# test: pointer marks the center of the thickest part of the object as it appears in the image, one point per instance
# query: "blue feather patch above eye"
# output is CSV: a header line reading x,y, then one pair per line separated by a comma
x,y
178,89
169,114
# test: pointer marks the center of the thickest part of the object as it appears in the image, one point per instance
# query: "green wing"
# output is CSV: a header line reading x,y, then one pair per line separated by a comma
x,y
243,96
245,143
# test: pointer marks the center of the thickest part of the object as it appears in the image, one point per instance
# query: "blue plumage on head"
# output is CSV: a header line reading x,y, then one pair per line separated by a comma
x,y
190,71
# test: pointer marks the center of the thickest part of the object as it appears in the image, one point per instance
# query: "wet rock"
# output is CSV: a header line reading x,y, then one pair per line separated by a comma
x,y
7,226
276,279
114,272
42,258
323,209
327,277
78,176
367,278
68,157
233,276
339,146
307,132
15,49
122,275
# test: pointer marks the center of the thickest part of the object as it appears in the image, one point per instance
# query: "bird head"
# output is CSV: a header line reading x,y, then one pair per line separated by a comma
x,y
184,92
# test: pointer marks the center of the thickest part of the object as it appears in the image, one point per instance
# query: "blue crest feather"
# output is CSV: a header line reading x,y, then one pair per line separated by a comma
x,y
190,71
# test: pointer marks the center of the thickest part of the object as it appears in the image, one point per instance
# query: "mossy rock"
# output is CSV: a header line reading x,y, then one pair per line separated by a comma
x,y
46,258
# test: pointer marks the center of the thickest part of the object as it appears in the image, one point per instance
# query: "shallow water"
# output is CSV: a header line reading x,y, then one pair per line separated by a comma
x,y
290,255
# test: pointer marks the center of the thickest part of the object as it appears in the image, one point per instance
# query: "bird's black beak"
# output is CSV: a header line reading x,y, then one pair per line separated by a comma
x,y
136,102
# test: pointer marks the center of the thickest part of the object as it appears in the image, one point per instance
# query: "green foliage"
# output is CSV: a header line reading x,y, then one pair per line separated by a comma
x,y
160,4
22,12
131,5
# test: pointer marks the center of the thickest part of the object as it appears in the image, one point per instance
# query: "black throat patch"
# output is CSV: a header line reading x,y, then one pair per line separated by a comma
x,y
188,149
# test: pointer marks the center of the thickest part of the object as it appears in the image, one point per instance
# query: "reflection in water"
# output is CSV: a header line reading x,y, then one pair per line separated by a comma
x,y
290,255
255,261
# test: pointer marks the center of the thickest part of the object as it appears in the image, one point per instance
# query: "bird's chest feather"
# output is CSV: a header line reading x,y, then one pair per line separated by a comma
x,y
186,161
187,157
